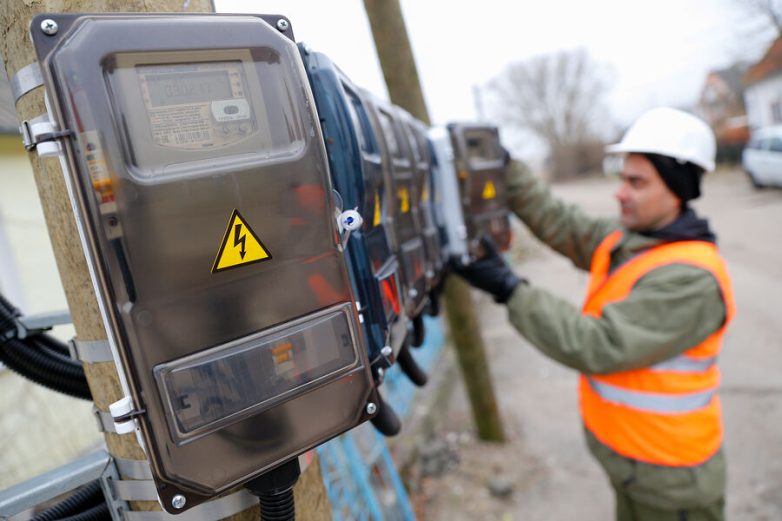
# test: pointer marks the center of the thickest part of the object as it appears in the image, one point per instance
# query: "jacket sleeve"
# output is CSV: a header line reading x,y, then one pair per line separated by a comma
x,y
563,227
670,310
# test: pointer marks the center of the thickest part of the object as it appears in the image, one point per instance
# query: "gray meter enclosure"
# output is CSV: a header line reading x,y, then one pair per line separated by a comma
x,y
200,183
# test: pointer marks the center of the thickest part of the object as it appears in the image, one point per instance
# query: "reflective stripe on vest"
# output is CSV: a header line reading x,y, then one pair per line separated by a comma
x,y
685,364
653,402
668,413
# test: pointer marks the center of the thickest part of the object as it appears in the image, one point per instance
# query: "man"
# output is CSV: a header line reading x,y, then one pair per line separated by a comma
x,y
648,335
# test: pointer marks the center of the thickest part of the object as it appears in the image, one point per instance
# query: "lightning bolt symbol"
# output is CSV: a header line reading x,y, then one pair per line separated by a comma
x,y
239,238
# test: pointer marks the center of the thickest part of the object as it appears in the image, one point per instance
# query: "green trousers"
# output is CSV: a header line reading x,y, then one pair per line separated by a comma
x,y
627,509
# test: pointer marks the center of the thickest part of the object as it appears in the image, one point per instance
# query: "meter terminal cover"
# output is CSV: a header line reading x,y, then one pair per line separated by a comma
x,y
199,181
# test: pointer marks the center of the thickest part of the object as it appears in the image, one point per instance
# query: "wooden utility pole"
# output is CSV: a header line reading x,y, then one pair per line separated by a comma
x,y
103,380
404,87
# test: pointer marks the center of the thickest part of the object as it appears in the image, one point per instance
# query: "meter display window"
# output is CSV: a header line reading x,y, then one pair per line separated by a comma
x,y
481,147
180,110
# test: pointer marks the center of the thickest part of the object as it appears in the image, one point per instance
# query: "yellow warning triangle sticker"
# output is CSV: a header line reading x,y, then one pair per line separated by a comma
x,y
240,246
404,199
376,219
489,192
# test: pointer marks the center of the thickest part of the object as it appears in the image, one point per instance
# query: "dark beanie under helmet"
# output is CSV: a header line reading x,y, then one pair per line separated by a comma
x,y
683,179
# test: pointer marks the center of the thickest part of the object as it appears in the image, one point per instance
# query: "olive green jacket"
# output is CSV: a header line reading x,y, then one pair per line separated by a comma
x,y
670,310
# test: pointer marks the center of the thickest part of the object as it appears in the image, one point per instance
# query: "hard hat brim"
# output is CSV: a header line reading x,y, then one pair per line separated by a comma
x,y
624,148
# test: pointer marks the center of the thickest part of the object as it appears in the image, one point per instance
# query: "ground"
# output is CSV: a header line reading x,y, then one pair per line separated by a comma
x,y
544,467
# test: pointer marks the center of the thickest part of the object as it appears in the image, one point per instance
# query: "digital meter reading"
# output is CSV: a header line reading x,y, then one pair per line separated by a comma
x,y
196,106
178,89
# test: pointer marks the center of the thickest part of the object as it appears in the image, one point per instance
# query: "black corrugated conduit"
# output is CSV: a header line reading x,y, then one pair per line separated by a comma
x,y
40,357
274,491
86,500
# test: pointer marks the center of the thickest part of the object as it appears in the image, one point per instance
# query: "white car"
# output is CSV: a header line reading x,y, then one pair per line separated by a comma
x,y
762,157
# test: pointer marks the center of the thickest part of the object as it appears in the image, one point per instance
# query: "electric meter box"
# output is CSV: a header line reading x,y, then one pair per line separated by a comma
x,y
402,200
356,170
415,133
480,163
200,184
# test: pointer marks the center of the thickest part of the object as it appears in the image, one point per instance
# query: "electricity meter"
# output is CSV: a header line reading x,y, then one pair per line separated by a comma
x,y
200,184
401,197
415,133
480,164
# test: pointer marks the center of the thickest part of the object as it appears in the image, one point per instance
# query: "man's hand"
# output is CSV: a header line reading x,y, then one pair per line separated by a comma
x,y
489,273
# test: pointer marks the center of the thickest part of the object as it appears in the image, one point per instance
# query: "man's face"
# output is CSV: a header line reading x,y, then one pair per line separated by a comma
x,y
645,201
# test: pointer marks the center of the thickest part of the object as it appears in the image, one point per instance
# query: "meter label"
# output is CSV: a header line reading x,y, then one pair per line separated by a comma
x,y
240,246
489,192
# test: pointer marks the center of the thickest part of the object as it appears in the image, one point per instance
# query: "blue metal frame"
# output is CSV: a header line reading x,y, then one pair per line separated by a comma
x,y
357,467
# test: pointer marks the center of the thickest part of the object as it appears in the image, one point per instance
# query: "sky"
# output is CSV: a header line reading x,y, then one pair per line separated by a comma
x,y
656,52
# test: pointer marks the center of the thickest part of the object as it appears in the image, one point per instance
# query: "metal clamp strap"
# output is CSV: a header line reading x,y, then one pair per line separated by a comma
x,y
216,509
26,79
90,351
135,489
133,468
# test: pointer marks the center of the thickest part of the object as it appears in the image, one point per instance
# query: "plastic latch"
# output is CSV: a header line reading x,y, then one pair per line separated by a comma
x,y
124,415
41,131
349,221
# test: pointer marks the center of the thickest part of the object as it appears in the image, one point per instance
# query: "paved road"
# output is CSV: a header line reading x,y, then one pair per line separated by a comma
x,y
546,459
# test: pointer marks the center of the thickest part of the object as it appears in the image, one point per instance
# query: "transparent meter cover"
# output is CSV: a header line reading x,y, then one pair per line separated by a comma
x,y
201,182
222,385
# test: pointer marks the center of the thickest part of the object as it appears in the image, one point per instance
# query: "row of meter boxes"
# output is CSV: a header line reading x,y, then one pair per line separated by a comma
x,y
264,235
425,194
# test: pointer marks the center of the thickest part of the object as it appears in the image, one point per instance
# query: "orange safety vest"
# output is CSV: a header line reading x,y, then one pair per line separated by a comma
x,y
669,413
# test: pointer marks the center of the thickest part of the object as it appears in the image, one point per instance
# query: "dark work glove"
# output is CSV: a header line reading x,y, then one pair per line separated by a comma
x,y
490,272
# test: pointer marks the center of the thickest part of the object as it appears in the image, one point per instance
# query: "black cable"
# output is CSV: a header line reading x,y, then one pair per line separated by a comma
x,y
84,498
96,513
419,331
274,491
53,344
410,367
39,357
66,378
386,421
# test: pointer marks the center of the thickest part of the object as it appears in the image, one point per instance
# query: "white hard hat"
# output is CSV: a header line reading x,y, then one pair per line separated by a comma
x,y
673,133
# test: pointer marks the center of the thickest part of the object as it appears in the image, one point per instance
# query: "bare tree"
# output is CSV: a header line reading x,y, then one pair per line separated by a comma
x,y
560,99
770,10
